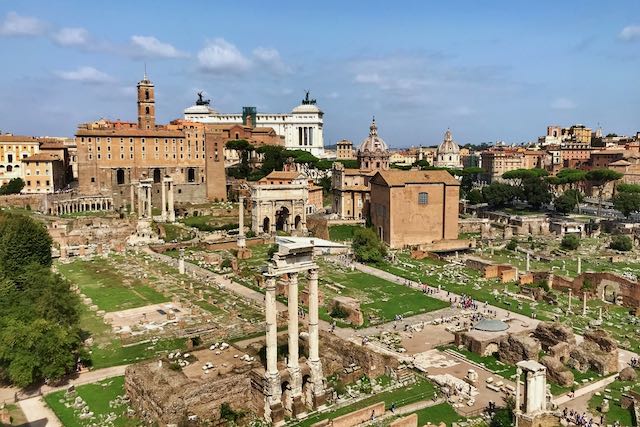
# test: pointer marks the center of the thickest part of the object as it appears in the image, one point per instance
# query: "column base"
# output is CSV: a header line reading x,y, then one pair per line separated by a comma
x,y
298,410
276,414
319,401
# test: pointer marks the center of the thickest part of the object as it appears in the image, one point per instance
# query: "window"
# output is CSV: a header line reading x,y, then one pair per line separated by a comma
x,y
93,179
423,198
146,110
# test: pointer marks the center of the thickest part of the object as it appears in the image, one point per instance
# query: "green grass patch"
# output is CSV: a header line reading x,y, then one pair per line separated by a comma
x,y
107,288
102,399
442,413
616,412
421,390
342,232
114,354
490,362
210,222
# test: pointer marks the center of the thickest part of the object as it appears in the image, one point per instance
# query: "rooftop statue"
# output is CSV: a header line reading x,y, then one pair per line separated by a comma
x,y
306,100
201,100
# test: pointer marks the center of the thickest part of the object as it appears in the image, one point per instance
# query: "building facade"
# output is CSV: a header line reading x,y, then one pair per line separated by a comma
x,y
302,129
412,208
344,150
448,153
114,155
44,173
351,186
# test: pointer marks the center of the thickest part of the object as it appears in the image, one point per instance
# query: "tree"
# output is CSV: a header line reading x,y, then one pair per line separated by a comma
x,y
273,158
519,175
367,247
475,196
536,191
628,188
599,178
621,243
499,195
244,148
567,201
14,186
23,241
469,177
570,241
627,202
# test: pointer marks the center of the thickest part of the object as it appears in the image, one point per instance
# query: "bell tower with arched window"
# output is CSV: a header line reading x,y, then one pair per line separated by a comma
x,y
146,104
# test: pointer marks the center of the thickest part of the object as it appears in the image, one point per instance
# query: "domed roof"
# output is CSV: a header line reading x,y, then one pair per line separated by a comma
x,y
200,109
491,325
373,142
306,108
448,146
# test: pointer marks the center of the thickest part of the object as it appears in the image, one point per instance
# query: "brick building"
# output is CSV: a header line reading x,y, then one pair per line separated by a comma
x,y
410,208
112,155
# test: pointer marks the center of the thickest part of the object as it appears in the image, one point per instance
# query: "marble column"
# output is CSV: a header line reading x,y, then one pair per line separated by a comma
x,y
579,265
140,202
517,410
273,378
314,364
163,211
528,262
584,303
170,208
569,306
241,237
132,195
181,261
148,197
293,364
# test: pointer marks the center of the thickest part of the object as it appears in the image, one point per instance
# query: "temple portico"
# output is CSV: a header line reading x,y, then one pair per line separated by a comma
x,y
82,204
297,393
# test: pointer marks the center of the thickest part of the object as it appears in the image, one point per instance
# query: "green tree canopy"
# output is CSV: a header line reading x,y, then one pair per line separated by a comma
x,y
536,191
14,186
367,247
521,174
628,188
627,202
475,196
23,241
500,195
599,178
570,242
621,243
567,201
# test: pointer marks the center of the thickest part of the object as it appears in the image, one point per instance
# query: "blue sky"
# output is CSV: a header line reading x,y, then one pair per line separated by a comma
x,y
500,70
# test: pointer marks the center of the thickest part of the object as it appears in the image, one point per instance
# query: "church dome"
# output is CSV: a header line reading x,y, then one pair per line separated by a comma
x,y
373,142
448,146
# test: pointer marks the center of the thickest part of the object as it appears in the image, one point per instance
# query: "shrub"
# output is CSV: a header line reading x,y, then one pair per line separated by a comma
x,y
512,245
249,234
621,243
226,263
367,247
339,312
570,242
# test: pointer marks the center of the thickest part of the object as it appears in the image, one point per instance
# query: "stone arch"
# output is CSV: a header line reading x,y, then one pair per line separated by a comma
x,y
609,291
298,223
191,175
157,175
282,219
266,224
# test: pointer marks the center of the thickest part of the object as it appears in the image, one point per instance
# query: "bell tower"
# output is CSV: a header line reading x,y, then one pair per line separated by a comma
x,y
146,104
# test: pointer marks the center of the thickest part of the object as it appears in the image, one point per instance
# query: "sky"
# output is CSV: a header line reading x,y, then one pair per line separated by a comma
x,y
488,70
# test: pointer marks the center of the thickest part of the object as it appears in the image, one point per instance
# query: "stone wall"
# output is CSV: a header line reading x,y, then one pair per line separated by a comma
x,y
408,421
317,225
159,394
36,202
627,289
337,354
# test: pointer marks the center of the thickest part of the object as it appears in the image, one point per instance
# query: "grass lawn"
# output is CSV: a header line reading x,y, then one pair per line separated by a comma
x,y
107,288
101,398
210,222
442,413
114,354
379,298
177,233
616,412
421,390
342,232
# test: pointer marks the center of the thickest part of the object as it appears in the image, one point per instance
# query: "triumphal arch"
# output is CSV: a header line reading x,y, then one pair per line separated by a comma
x,y
279,206
294,388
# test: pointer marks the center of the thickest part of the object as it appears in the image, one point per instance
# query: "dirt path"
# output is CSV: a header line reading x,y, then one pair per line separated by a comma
x,y
38,414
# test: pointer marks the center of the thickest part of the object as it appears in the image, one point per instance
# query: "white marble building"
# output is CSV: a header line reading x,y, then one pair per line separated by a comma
x,y
302,128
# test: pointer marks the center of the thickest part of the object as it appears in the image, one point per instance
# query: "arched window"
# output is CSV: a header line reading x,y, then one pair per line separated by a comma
x,y
9,168
146,94
191,175
120,176
146,110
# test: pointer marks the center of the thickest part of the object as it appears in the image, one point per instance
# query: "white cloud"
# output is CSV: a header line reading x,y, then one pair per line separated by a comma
x,y
17,25
71,37
368,78
563,104
220,56
85,75
152,47
630,33
271,58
